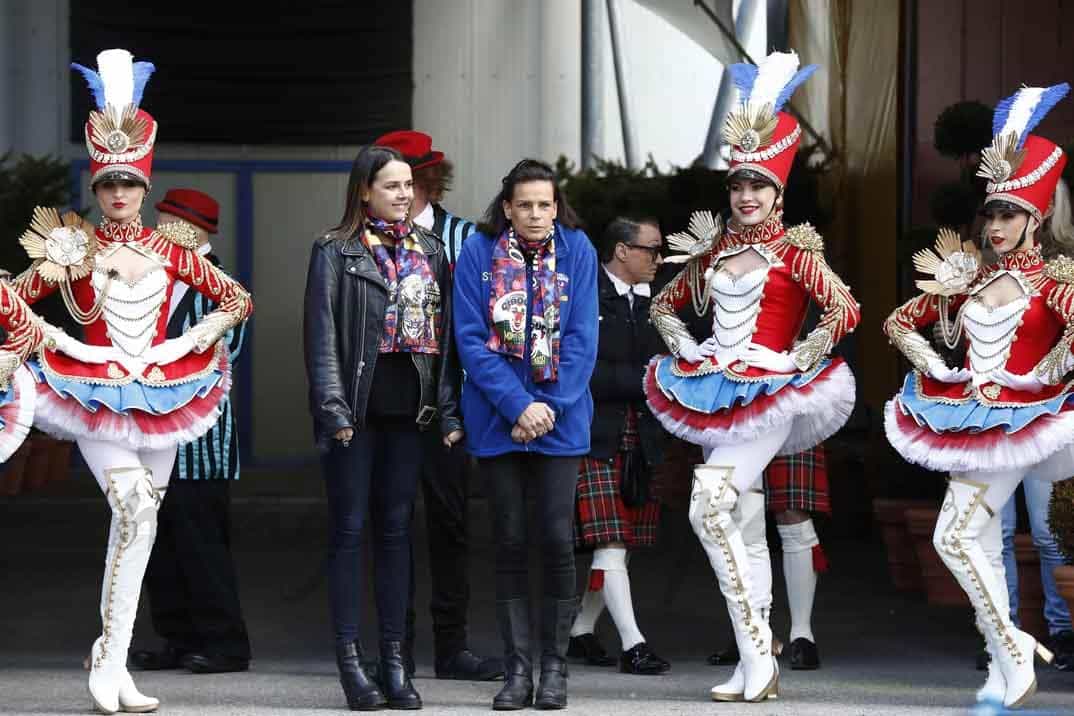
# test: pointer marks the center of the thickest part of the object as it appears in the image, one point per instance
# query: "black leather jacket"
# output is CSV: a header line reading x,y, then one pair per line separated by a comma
x,y
342,324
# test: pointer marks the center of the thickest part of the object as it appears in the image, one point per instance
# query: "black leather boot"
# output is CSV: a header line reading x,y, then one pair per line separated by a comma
x,y
362,694
517,691
394,679
557,616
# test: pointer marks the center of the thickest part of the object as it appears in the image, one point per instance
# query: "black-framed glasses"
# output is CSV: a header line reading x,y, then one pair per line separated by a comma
x,y
654,251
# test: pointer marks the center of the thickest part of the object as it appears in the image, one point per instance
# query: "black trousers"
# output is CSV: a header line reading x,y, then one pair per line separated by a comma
x,y
509,478
372,482
191,583
445,486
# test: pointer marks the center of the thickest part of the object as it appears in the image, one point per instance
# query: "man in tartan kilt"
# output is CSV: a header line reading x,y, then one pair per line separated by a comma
x,y
796,487
616,511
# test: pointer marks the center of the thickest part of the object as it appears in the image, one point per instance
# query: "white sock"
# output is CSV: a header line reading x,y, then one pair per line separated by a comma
x,y
592,608
617,593
798,542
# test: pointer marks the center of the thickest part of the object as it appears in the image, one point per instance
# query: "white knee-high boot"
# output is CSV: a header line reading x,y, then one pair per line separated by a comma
x,y
957,539
995,686
711,504
134,502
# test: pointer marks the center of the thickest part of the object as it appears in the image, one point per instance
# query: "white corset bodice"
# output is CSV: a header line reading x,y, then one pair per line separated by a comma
x,y
736,303
131,310
990,332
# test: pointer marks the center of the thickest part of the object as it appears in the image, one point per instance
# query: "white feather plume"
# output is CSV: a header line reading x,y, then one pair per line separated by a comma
x,y
773,74
116,68
1022,110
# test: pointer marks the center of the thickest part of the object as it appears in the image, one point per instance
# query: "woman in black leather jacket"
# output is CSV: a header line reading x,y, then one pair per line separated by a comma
x,y
380,360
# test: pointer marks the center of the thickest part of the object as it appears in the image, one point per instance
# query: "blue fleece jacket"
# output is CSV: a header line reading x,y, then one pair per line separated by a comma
x,y
497,388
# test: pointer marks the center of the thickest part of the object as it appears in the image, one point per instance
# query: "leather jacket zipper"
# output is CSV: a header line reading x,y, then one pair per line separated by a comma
x,y
361,357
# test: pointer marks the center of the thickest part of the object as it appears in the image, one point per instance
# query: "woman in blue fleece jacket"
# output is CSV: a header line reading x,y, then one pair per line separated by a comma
x,y
526,330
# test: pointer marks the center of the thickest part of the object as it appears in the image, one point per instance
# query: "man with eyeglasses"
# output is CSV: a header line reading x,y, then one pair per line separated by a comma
x,y
616,510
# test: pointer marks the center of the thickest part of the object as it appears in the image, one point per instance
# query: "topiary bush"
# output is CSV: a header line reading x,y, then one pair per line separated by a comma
x,y
962,129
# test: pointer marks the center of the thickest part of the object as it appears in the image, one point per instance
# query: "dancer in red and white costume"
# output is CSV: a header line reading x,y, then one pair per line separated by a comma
x,y
26,332
1006,414
126,395
749,392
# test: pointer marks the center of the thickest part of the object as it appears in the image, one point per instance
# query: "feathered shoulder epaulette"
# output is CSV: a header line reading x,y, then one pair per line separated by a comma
x,y
702,233
62,246
805,237
953,264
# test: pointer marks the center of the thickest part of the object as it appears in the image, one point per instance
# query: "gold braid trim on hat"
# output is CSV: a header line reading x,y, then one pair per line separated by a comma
x,y
750,127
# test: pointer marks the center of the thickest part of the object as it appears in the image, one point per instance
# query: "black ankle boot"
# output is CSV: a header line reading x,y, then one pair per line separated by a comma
x,y
517,691
557,615
396,683
362,694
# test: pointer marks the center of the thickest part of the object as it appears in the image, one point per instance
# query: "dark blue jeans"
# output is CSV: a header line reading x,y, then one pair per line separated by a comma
x,y
373,480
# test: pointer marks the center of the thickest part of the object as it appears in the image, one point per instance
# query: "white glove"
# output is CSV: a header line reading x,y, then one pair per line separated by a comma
x,y
938,370
83,351
169,351
694,353
1028,382
765,358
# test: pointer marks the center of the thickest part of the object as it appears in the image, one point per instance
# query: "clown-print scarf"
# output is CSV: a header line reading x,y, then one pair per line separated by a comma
x,y
412,316
508,303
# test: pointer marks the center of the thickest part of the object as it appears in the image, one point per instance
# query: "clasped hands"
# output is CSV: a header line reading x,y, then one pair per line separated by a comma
x,y
536,420
755,355
167,352
1029,382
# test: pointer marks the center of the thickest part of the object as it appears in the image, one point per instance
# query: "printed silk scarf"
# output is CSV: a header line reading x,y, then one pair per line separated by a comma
x,y
508,303
412,316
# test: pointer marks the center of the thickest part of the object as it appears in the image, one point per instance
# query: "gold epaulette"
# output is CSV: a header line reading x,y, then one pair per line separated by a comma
x,y
62,246
805,237
1060,269
179,233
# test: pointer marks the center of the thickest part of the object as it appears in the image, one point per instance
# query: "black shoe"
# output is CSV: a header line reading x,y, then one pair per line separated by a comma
x,y
804,655
982,661
1062,644
214,663
588,648
640,659
167,658
552,688
361,692
396,682
557,616
517,692
464,666
726,657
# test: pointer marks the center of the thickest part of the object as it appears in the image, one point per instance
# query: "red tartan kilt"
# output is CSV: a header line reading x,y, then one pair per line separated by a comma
x,y
601,517
798,482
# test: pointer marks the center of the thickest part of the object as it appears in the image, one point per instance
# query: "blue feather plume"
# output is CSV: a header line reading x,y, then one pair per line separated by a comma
x,y
142,71
93,79
999,116
743,75
1048,99
799,77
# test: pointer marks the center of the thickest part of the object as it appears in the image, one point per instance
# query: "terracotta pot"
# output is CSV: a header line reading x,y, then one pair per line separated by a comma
x,y
1030,589
1064,580
902,559
940,587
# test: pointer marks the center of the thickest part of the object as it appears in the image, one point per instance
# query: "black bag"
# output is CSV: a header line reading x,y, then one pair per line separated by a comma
x,y
634,478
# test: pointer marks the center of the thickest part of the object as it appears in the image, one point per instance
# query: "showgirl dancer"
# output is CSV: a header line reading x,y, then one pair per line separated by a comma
x,y
749,392
1006,415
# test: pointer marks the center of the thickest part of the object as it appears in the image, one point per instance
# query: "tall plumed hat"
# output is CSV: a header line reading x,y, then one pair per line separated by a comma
x,y
1023,168
119,135
764,139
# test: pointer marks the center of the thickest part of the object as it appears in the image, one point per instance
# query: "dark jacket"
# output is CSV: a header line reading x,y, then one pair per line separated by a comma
x,y
343,320
627,341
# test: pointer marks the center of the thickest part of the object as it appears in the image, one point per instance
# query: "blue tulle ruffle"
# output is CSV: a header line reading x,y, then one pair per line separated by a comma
x,y
158,400
972,415
713,392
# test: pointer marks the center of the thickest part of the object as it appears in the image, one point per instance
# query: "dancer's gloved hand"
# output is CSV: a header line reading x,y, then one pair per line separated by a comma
x,y
765,358
169,351
938,370
1028,382
82,351
693,353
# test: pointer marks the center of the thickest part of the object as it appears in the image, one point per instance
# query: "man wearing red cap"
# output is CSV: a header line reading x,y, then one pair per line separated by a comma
x,y
444,477
193,591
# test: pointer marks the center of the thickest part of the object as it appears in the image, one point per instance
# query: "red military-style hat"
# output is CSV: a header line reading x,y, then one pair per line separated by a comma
x,y
416,147
764,139
120,137
192,205
1022,168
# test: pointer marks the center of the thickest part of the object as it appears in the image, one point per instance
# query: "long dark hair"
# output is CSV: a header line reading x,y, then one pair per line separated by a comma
x,y
494,223
367,164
